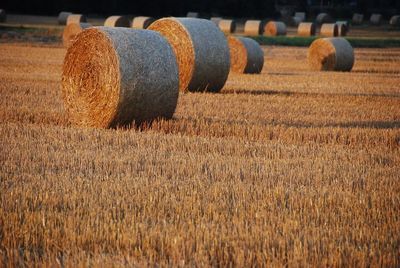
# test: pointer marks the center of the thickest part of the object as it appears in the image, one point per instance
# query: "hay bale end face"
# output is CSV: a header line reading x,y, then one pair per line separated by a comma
x,y
329,30
357,19
274,28
71,30
117,21
331,54
201,50
76,18
306,29
246,55
142,22
253,27
3,15
323,18
375,19
114,76
395,20
227,26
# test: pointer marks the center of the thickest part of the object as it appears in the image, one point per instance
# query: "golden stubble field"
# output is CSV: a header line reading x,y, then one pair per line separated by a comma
x,y
287,168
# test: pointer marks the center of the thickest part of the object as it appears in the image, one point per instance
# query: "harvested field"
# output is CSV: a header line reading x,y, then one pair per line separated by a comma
x,y
286,168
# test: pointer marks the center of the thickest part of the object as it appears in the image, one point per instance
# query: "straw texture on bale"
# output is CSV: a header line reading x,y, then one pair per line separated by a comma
x,y
395,20
343,28
246,55
201,50
114,76
323,18
71,30
62,17
329,29
192,15
375,19
227,26
253,27
142,22
216,20
306,29
300,15
76,18
274,28
3,15
331,54
117,21
357,18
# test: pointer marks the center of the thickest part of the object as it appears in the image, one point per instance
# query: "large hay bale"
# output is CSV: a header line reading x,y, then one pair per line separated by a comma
x,y
375,19
201,50
62,17
76,18
3,15
253,27
246,55
274,28
117,21
306,29
395,20
191,14
343,28
300,15
227,26
142,22
329,29
357,19
323,18
114,76
331,54
71,30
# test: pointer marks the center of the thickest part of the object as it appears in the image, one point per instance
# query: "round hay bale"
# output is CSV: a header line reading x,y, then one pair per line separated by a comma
x,y
274,28
117,21
71,30
62,17
296,21
343,28
216,20
300,15
201,50
76,18
192,14
246,55
395,20
114,76
227,26
253,27
306,29
323,18
375,19
142,22
329,29
357,19
331,54
3,15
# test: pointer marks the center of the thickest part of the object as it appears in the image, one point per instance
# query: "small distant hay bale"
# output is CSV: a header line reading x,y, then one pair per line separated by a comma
x,y
329,29
375,19
76,18
62,17
114,76
246,55
227,26
253,27
216,20
395,20
331,54
343,28
357,19
300,15
71,30
142,22
201,50
306,29
323,18
296,21
274,28
191,14
117,21
3,15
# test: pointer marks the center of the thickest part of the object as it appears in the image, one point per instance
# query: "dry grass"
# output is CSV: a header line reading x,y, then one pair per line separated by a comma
x,y
290,167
